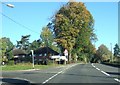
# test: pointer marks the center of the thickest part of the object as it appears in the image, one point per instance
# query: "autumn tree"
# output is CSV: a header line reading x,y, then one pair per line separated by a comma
x,y
73,27
47,36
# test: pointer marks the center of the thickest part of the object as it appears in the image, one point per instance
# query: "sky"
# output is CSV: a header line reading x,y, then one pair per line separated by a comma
x,y
33,16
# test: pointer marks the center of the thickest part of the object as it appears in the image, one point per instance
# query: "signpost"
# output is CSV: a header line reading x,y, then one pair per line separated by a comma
x,y
66,54
32,58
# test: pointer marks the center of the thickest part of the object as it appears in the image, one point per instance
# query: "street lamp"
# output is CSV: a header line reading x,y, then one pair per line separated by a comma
x,y
8,5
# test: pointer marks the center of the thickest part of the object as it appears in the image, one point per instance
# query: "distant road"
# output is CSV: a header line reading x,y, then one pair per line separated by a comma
x,y
74,73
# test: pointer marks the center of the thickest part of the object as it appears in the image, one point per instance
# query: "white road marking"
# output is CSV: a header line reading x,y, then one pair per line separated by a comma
x,y
105,73
93,65
116,79
51,77
98,69
57,74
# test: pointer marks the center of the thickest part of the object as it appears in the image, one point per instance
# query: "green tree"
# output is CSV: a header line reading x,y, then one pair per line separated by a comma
x,y
6,47
24,43
35,44
116,51
73,27
103,53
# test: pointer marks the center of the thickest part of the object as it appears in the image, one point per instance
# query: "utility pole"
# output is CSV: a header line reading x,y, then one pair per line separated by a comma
x,y
111,52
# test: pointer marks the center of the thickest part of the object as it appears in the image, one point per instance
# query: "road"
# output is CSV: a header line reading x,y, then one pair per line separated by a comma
x,y
74,73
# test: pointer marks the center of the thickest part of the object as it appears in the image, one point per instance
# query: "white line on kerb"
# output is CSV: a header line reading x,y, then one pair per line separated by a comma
x,y
116,79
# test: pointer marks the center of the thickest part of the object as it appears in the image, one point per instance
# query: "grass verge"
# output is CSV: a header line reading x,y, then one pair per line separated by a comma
x,y
25,67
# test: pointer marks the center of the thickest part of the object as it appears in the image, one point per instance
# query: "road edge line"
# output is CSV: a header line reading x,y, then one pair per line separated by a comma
x,y
100,70
57,74
116,79
51,77
105,73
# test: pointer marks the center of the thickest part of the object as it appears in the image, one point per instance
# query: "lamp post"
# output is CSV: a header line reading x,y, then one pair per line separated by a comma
x,y
8,5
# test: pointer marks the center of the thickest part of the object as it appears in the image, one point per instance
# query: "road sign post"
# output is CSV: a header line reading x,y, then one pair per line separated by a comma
x,y
32,58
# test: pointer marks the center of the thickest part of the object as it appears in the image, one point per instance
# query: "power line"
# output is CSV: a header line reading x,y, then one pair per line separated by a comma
x,y
19,23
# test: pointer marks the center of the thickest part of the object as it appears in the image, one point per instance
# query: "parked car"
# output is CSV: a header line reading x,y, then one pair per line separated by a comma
x,y
59,59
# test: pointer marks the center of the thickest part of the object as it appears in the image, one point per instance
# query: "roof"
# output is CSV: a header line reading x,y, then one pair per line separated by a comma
x,y
45,50
18,52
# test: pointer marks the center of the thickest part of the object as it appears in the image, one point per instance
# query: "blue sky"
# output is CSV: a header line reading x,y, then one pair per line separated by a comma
x,y
35,15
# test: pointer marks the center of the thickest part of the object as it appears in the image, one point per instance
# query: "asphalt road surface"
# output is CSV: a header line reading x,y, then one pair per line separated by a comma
x,y
69,74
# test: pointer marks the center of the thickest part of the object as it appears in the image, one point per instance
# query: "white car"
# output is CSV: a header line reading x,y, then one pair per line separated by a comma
x,y
58,57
